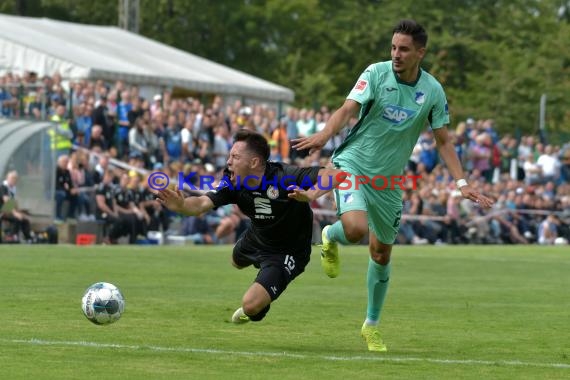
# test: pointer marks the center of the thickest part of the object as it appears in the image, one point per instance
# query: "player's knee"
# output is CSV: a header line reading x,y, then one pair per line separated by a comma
x,y
355,233
256,314
380,255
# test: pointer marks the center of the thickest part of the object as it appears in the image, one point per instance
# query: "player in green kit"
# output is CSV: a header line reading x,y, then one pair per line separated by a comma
x,y
394,101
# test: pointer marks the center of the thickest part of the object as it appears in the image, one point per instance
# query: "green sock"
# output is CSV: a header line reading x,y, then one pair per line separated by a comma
x,y
336,233
377,280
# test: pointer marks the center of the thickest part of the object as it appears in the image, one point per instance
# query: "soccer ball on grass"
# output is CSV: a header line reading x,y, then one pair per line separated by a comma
x,y
103,303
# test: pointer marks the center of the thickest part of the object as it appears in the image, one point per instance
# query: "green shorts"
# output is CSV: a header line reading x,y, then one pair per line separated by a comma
x,y
383,208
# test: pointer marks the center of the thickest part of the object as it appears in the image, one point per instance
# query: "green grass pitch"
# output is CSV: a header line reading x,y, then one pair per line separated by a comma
x,y
453,312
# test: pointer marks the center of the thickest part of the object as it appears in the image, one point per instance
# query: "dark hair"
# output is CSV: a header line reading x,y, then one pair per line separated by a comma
x,y
255,142
412,28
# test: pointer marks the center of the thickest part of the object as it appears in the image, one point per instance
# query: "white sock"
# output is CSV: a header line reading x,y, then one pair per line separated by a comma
x,y
369,322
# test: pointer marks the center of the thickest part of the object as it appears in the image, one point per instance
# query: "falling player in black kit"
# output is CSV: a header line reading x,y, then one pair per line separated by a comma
x,y
275,197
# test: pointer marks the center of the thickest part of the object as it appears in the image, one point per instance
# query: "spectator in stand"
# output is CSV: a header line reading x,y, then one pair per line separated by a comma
x,y
77,173
8,102
187,140
84,160
61,136
549,163
65,190
17,217
128,214
197,229
480,154
158,215
98,139
83,124
152,140
232,223
334,141
140,202
134,92
525,148
306,127
158,128
156,106
101,165
112,103
107,209
428,153
137,140
508,148
123,109
101,117
220,149
455,222
203,150
209,122
532,171
34,106
548,230
136,111
171,143
281,140
76,94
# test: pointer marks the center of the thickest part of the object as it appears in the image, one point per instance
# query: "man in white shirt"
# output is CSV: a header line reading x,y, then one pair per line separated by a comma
x,y
550,164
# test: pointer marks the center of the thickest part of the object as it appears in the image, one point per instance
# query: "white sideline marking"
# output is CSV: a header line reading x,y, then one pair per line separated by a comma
x,y
512,363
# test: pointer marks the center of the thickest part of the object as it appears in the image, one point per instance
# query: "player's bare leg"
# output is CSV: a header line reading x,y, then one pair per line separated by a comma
x,y
255,304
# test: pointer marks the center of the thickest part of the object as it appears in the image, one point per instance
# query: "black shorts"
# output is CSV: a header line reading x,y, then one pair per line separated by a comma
x,y
276,270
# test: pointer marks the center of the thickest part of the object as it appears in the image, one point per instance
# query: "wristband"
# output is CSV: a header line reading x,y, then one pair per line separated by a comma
x,y
460,183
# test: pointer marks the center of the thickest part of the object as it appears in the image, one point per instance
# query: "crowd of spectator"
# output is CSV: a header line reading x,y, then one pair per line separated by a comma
x,y
527,177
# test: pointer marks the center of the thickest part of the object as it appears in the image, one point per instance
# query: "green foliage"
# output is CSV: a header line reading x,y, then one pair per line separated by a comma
x,y
494,57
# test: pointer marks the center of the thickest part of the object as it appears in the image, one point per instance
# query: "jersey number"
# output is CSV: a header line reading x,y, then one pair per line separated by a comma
x,y
397,220
289,262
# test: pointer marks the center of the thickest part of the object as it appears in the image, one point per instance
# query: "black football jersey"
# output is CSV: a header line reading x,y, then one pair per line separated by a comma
x,y
108,192
278,223
124,197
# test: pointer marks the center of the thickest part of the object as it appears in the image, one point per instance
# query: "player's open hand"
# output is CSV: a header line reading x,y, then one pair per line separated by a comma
x,y
470,193
313,143
171,199
299,194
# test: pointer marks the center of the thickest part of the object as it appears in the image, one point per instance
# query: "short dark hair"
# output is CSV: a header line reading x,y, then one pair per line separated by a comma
x,y
255,143
412,28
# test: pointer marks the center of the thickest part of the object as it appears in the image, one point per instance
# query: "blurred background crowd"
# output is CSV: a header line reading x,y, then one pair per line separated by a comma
x,y
110,138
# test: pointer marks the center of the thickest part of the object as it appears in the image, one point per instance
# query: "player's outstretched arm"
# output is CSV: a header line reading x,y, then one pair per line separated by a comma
x,y
328,180
175,201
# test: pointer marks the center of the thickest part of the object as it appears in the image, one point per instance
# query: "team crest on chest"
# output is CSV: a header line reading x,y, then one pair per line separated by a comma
x,y
272,192
420,97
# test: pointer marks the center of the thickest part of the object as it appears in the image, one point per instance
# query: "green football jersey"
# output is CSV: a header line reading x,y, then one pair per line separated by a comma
x,y
393,114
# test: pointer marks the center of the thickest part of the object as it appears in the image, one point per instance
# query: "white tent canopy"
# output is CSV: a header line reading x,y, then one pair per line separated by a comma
x,y
80,51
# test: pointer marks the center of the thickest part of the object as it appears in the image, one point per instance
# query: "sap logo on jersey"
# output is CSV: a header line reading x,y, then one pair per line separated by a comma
x,y
396,114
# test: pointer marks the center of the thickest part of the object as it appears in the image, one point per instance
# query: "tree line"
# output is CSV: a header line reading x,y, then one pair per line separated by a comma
x,y
495,58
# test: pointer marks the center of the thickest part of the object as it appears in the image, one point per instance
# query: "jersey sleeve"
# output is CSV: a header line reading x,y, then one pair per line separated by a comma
x,y
439,115
302,177
222,196
363,90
